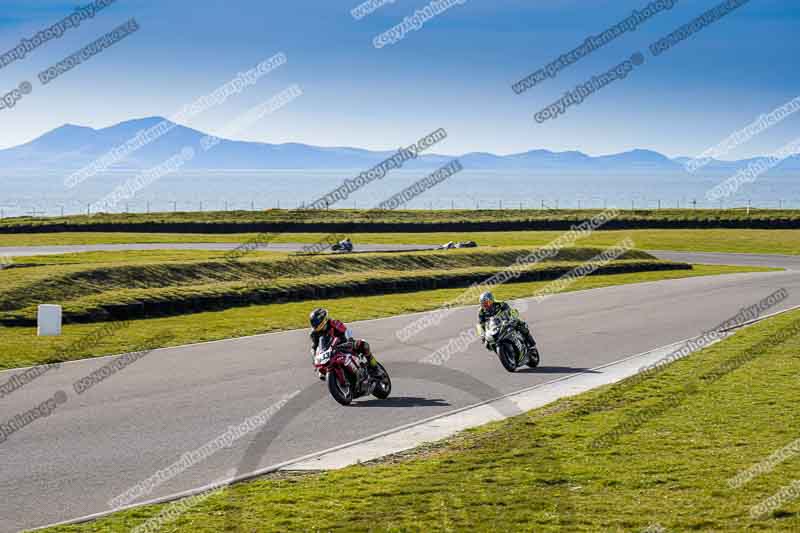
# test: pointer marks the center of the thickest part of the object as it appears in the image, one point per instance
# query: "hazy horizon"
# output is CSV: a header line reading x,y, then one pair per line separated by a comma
x,y
386,149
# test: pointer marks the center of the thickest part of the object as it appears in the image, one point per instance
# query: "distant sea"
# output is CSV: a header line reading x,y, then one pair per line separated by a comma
x,y
46,195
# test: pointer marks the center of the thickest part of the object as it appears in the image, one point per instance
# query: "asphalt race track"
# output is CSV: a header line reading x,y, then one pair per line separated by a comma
x,y
782,261
97,445
20,251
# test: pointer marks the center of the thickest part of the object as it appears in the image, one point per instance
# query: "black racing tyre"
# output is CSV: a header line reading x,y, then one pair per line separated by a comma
x,y
341,393
508,356
384,388
534,358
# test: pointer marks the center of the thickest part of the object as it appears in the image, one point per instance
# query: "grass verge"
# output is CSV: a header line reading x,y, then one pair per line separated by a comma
x,y
539,471
23,348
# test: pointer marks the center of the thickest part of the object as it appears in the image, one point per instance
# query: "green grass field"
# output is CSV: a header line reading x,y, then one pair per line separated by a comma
x,y
23,348
776,241
723,410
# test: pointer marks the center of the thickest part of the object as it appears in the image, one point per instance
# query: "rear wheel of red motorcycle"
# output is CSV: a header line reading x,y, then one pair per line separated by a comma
x,y
342,393
384,388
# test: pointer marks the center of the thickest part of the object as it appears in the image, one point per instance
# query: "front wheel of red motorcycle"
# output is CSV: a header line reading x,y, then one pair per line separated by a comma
x,y
342,393
384,387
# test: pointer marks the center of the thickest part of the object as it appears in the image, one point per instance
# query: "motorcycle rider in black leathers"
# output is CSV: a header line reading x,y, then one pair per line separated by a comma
x,y
491,308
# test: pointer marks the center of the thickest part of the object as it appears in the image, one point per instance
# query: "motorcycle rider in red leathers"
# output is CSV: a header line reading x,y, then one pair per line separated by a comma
x,y
324,326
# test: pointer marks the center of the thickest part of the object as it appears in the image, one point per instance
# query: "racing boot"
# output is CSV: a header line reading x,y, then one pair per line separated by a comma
x,y
526,332
373,369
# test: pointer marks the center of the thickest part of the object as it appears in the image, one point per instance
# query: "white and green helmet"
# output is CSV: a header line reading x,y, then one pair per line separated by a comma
x,y
487,299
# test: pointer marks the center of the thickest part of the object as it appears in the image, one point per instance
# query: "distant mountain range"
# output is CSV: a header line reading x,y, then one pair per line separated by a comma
x,y
71,147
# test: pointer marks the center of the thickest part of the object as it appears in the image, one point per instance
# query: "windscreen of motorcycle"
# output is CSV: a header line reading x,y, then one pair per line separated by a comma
x,y
323,354
493,328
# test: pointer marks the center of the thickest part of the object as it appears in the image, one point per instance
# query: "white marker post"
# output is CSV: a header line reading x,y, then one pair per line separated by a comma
x,y
49,320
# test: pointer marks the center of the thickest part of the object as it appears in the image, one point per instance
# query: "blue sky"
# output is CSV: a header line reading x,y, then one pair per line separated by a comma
x,y
455,72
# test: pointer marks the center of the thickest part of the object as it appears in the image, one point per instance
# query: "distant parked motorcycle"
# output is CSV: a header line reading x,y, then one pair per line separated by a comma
x,y
346,373
509,345
462,244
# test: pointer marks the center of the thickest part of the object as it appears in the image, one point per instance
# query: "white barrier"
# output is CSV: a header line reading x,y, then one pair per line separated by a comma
x,y
49,320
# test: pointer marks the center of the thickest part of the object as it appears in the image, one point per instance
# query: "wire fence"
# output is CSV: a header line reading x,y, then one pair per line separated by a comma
x,y
222,205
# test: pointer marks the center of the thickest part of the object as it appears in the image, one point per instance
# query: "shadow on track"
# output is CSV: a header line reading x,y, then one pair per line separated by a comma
x,y
556,370
403,401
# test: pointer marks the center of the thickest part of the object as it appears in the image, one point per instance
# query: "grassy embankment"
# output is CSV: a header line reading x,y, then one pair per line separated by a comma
x,y
113,291
698,423
372,221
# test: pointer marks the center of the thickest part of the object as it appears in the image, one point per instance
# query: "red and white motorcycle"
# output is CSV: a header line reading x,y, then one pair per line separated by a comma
x,y
346,373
